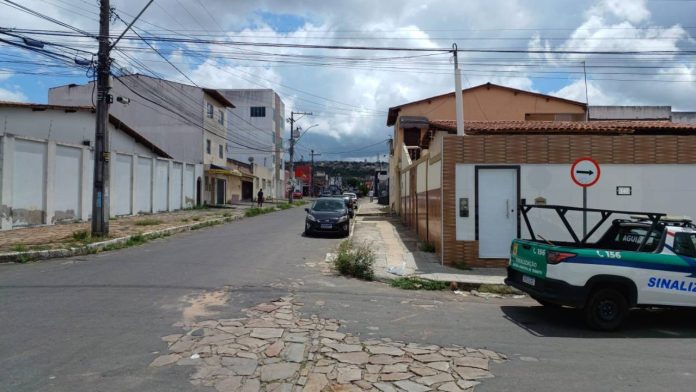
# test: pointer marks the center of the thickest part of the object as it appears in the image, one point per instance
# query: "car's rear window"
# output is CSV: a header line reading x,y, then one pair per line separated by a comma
x,y
685,244
328,205
629,238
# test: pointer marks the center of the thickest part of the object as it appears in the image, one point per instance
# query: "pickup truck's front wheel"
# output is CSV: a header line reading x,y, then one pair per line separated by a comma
x,y
606,309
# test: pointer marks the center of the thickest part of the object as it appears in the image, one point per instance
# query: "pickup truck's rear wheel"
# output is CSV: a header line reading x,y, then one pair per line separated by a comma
x,y
606,309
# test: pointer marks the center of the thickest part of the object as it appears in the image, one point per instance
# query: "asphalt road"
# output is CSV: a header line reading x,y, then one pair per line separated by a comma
x,y
94,323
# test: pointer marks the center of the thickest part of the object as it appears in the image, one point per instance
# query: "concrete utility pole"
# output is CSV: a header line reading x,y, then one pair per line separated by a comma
x,y
100,190
311,178
292,150
458,99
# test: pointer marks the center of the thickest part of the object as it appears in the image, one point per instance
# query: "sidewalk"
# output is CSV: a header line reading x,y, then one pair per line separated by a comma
x,y
396,248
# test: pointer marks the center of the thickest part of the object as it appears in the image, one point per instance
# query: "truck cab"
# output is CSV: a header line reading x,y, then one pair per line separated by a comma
x,y
646,260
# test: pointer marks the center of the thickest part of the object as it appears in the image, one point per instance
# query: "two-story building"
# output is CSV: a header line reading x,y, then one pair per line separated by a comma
x,y
187,122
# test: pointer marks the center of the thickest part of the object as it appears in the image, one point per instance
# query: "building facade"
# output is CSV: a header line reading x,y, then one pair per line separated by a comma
x,y
189,123
256,133
487,102
47,166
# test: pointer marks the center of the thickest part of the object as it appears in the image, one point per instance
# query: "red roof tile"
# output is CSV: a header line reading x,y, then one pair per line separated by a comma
x,y
564,127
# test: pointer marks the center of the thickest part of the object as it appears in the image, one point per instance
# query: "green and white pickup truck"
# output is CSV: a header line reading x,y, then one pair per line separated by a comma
x,y
648,260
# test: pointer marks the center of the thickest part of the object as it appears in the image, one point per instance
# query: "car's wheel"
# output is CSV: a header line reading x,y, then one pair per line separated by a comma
x,y
307,230
606,309
346,231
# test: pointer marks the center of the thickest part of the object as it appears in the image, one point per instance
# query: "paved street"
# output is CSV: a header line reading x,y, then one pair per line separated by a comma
x,y
97,322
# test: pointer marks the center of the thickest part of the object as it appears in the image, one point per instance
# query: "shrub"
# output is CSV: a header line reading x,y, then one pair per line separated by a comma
x,y
81,235
148,222
412,283
254,211
427,247
20,248
355,260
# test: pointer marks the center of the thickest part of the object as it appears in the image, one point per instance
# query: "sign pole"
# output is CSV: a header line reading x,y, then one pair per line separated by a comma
x,y
584,212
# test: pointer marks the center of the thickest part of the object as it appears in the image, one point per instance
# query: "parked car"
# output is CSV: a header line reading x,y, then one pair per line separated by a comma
x,y
646,261
297,195
326,194
327,215
353,197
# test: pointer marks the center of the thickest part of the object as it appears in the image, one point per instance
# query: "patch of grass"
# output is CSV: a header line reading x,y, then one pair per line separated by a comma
x,y
227,214
81,235
254,211
149,222
201,207
284,206
355,260
23,259
298,203
20,248
205,224
498,289
196,218
412,283
427,247
185,220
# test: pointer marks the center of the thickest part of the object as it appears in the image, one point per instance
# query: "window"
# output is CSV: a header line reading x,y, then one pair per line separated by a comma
x,y
221,120
220,151
257,111
685,244
630,237
207,146
209,109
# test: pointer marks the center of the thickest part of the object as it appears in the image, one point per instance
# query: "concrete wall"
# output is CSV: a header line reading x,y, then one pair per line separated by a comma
x,y
684,117
630,112
168,114
47,170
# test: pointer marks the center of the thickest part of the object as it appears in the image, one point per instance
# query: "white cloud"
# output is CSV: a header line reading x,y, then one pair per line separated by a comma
x,y
14,96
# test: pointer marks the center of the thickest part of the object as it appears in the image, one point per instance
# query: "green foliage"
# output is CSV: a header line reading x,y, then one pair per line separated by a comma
x,y
254,211
363,189
427,247
81,235
412,283
149,222
20,248
185,220
352,182
355,260
196,218
284,206
498,289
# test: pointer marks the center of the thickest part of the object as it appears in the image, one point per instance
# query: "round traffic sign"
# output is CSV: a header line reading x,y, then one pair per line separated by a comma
x,y
585,172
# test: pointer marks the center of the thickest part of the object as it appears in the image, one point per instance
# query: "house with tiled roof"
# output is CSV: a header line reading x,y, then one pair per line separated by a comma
x,y
462,193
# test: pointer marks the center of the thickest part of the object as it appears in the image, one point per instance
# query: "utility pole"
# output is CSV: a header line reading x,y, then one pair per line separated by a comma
x,y
292,150
102,156
100,190
458,99
311,178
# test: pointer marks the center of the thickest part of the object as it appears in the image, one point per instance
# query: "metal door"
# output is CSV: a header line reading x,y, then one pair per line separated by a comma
x,y
497,200
220,188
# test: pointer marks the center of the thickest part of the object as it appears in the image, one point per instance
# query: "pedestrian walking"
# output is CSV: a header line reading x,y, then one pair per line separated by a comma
x,y
259,197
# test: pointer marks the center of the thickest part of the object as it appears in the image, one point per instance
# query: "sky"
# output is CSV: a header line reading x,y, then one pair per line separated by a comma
x,y
254,44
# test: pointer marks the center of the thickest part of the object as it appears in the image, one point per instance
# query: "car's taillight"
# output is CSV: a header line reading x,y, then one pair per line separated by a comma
x,y
556,257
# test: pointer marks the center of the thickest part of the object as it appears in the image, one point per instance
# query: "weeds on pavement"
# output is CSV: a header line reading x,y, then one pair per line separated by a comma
x,y
20,248
254,211
355,260
413,283
498,289
149,222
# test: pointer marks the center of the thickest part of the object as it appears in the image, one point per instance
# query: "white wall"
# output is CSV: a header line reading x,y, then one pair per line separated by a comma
x,y
46,174
655,188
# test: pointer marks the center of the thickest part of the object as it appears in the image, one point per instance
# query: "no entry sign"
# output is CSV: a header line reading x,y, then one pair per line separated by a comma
x,y
585,172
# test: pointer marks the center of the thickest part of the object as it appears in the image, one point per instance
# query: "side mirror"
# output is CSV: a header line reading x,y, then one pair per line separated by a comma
x,y
307,210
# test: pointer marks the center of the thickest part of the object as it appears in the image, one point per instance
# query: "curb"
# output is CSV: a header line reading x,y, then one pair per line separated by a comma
x,y
34,255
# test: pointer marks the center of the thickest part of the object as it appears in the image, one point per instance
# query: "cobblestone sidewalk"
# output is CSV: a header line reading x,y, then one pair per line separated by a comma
x,y
273,349
60,235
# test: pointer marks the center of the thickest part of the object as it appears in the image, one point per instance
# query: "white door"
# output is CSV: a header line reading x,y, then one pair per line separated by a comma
x,y
497,211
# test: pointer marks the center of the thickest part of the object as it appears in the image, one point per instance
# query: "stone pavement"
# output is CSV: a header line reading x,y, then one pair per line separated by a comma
x,y
396,248
60,235
274,349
